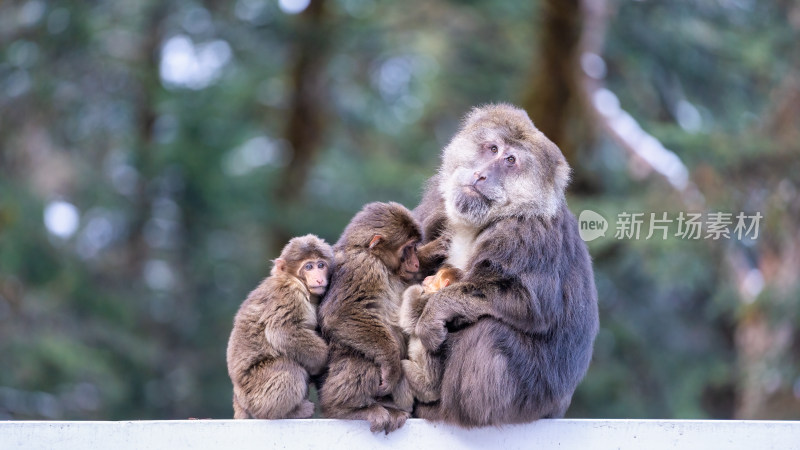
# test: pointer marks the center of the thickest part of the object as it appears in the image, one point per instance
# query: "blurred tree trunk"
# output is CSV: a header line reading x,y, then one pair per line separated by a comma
x,y
766,336
148,84
305,127
783,121
554,97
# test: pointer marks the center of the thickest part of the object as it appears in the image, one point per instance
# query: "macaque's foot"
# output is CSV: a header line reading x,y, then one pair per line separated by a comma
x,y
397,419
304,410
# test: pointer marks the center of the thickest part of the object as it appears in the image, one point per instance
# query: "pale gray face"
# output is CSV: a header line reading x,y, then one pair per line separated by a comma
x,y
499,165
482,184
488,175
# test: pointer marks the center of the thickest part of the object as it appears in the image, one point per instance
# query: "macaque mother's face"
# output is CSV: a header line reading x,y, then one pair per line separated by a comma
x,y
493,170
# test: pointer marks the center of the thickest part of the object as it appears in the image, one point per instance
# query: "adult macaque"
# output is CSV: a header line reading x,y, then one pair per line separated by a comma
x,y
375,259
274,346
519,327
423,369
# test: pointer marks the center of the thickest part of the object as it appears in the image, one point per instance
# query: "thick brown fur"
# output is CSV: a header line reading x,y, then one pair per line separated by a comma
x,y
423,369
274,346
517,331
359,320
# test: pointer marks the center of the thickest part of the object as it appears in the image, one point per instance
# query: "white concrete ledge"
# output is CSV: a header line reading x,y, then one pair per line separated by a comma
x,y
320,434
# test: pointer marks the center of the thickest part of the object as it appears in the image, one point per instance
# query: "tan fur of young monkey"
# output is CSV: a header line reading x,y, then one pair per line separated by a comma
x,y
423,369
375,259
274,346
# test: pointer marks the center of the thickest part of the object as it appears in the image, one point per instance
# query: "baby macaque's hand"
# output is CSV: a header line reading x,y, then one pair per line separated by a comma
x,y
427,284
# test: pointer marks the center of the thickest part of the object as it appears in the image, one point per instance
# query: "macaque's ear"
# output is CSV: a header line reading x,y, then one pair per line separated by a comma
x,y
375,240
446,282
280,266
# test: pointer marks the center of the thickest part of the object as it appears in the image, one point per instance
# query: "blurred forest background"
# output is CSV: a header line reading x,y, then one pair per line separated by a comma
x,y
156,155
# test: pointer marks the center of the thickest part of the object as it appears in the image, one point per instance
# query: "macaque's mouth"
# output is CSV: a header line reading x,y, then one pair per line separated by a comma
x,y
409,275
312,288
471,190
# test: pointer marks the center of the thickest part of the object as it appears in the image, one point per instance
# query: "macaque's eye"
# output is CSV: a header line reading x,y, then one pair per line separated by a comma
x,y
511,159
308,266
321,265
493,148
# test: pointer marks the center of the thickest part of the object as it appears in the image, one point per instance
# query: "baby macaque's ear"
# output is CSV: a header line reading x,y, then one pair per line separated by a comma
x,y
375,240
279,266
445,282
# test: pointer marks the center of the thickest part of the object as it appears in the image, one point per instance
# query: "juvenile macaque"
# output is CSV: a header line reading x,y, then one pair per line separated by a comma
x,y
518,328
274,345
375,259
423,369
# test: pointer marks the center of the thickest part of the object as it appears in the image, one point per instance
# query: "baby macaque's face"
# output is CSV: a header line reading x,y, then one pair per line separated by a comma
x,y
435,282
315,274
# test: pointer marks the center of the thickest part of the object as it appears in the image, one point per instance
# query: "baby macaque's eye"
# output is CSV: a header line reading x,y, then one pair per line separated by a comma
x,y
321,265
308,266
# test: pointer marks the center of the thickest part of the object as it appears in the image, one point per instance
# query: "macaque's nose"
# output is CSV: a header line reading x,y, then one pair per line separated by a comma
x,y
479,177
415,265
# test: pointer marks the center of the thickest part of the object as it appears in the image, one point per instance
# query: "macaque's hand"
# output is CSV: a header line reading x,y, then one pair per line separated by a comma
x,y
437,247
390,376
431,330
413,292
411,308
318,358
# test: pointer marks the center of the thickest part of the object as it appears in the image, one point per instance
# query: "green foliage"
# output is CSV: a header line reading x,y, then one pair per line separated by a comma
x,y
176,184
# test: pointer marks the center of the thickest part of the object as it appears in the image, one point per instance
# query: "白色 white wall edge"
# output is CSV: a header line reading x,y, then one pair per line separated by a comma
x,y
353,435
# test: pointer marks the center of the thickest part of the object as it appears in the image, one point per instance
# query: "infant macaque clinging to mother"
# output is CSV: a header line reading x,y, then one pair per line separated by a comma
x,y
423,369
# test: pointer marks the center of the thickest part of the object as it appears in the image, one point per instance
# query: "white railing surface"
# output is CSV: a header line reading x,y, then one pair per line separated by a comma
x,y
323,434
